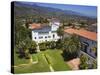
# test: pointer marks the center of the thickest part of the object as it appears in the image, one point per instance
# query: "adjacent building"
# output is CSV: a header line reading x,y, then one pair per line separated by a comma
x,y
88,44
88,40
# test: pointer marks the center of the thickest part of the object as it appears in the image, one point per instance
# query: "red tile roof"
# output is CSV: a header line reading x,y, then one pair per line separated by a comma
x,y
82,32
35,26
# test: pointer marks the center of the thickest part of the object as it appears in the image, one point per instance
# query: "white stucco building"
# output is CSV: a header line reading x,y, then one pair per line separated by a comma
x,y
45,33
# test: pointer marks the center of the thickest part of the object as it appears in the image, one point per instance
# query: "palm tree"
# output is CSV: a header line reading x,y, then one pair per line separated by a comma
x,y
32,48
71,47
21,50
71,44
83,62
60,31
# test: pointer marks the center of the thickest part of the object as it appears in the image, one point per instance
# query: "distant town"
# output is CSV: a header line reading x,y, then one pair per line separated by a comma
x,y
48,39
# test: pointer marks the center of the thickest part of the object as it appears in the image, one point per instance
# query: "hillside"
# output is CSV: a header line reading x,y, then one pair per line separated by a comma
x,y
34,10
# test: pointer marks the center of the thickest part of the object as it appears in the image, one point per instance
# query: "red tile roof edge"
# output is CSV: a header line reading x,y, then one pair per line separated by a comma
x,y
82,32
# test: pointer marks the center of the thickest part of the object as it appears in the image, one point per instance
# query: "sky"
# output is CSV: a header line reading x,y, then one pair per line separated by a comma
x,y
86,10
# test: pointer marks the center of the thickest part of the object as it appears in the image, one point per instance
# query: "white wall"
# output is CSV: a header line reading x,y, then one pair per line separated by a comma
x,y
91,44
35,34
55,26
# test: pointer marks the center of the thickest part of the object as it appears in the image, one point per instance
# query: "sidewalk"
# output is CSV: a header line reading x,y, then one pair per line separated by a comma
x,y
74,63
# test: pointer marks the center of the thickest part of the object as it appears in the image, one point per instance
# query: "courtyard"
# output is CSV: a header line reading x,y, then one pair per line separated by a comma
x,y
44,61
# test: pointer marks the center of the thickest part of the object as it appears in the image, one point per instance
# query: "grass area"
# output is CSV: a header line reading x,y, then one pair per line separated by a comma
x,y
34,57
56,60
41,66
18,61
44,58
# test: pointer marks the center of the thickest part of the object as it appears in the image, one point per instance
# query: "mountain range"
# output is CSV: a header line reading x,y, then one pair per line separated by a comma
x,y
25,9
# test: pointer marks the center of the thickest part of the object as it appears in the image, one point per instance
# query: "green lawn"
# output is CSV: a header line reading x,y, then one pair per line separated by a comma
x,y
56,60
44,58
34,57
41,66
18,61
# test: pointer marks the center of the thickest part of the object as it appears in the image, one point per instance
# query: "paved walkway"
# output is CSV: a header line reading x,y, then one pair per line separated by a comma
x,y
38,49
31,60
22,65
74,63
50,66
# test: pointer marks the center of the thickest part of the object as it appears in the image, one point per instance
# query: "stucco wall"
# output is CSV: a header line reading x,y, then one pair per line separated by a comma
x,y
45,36
91,44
